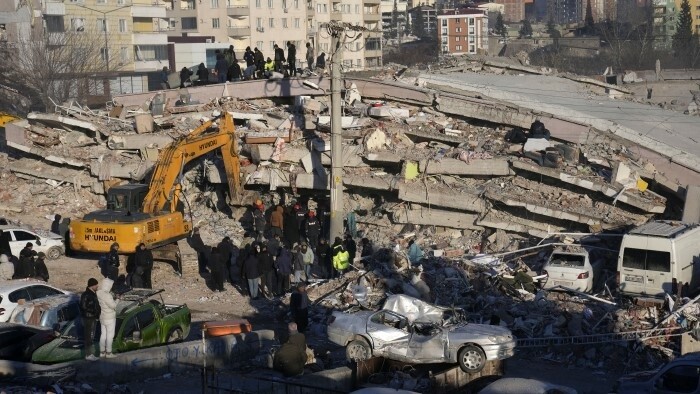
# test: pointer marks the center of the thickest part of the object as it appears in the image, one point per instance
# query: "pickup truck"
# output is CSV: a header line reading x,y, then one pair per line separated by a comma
x,y
141,323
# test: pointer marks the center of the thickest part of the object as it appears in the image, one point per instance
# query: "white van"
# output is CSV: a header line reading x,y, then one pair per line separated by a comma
x,y
654,254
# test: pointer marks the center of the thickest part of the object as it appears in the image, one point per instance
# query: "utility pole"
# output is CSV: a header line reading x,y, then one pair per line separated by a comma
x,y
337,212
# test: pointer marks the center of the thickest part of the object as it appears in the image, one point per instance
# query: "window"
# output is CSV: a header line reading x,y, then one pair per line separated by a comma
x,y
188,23
145,318
54,24
101,2
270,3
471,39
296,4
471,30
150,52
458,47
271,22
121,2
258,44
19,295
296,23
471,21
68,313
104,54
644,259
444,48
215,23
444,22
36,292
122,25
258,23
124,54
272,46
24,236
472,49
102,25
457,38
444,31
457,21
357,9
680,379
284,23
214,3
257,3
359,62
128,327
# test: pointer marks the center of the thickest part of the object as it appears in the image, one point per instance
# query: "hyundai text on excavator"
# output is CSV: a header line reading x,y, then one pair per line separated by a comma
x,y
154,214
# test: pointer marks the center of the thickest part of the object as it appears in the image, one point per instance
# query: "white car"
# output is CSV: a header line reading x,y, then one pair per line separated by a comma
x,y
569,266
17,237
12,291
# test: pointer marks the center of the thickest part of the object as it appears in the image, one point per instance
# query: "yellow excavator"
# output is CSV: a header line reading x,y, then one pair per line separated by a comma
x,y
154,214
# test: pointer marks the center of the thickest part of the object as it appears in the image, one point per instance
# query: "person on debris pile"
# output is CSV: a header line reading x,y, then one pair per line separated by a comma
x,y
108,317
234,72
228,250
143,266
341,258
164,84
269,68
197,244
185,74
309,56
299,217
221,67
273,245
351,247
308,257
110,263
291,357
40,270
259,62
202,74
367,248
249,57
321,61
292,58
299,307
283,267
251,271
267,272
277,221
323,251
55,224
259,221
297,263
63,231
415,253
291,231
90,313
279,59
217,264
26,269
312,228
7,268
230,56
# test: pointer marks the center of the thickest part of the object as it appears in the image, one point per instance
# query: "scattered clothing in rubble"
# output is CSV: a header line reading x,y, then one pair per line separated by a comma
x,y
299,306
351,223
7,268
415,253
537,130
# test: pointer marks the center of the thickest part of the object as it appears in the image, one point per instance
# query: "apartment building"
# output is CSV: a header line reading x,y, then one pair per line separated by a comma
x,y
463,31
429,15
514,10
694,12
387,9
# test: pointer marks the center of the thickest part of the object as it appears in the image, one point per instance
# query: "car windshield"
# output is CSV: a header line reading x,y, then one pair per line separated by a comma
x,y
567,260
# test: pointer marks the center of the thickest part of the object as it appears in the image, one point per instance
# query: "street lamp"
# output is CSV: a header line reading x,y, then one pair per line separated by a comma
x,y
104,26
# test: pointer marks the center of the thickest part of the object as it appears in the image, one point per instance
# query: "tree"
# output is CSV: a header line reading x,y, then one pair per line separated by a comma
x,y
419,24
395,20
500,28
630,37
552,28
683,37
590,25
525,29
54,66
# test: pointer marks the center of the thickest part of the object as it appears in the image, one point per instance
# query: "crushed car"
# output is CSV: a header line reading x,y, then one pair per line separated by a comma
x,y
571,267
48,312
681,375
411,330
18,342
141,322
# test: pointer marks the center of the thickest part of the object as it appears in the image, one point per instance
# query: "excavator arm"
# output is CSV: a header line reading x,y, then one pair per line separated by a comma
x,y
164,188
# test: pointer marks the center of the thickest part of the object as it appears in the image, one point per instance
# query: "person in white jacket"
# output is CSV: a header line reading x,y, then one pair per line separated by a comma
x,y
7,269
108,317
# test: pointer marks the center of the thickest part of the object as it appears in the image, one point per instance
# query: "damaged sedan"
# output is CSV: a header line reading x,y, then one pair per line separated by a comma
x,y
410,330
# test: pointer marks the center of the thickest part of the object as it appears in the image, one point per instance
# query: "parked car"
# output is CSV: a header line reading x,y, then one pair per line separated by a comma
x,y
49,312
12,291
141,322
681,375
49,243
570,266
522,385
18,342
411,330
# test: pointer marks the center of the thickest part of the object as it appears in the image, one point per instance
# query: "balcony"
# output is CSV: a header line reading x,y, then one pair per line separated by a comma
x,y
238,31
372,2
311,31
336,15
145,11
372,17
238,10
310,11
54,8
372,34
150,38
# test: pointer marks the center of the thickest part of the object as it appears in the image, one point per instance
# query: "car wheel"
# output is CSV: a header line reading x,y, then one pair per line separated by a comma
x,y
175,336
358,350
53,253
471,359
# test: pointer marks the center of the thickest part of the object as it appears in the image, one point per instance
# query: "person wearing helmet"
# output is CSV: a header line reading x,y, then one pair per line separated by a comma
x,y
312,228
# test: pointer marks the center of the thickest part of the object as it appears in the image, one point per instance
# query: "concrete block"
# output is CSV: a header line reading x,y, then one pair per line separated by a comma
x,y
492,167
312,106
691,208
137,141
144,123
421,215
246,115
386,111
376,140
446,198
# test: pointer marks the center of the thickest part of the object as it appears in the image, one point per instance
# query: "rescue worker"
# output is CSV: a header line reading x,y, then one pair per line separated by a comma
x,y
324,258
291,357
259,221
90,313
308,259
279,59
367,248
351,247
297,263
55,224
40,270
277,221
299,306
292,58
312,228
269,67
341,258
197,244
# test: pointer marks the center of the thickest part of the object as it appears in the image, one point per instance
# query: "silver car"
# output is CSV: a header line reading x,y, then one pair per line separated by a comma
x,y
681,375
410,330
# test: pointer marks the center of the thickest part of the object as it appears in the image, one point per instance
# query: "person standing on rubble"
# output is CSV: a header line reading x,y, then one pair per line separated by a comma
x,y
323,251
185,75
269,68
202,74
143,266
259,222
40,270
267,271
299,306
110,264
321,61
415,253
197,244
63,230
297,263
249,57
55,224
367,248
283,266
218,269
309,56
277,221
351,247
221,67
279,59
292,58
251,271
341,258
259,62
7,268
273,245
230,56
164,84
226,248
308,257
90,313
291,231
312,229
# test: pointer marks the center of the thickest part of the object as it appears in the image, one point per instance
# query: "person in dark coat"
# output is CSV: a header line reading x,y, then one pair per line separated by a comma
x,y
299,306
55,224
63,230
273,245
292,58
351,247
323,251
251,271
90,313
40,270
143,266
249,57
226,248
197,244
234,73
291,230
297,263
321,61
202,74
267,272
291,357
110,268
312,229
279,59
221,67
299,217
217,264
259,62
259,221
25,267
283,266
367,248
185,74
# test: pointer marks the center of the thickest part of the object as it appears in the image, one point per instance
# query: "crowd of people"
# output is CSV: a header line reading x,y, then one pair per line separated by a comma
x,y
29,265
257,66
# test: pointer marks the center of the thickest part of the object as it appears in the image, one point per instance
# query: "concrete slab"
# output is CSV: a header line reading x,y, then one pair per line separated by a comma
x,y
383,157
691,209
491,167
504,221
138,141
41,153
384,182
386,111
446,198
66,123
277,178
417,214
41,170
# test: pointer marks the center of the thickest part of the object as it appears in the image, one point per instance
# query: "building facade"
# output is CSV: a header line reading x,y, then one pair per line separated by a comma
x,y
463,31
513,10
429,15
387,10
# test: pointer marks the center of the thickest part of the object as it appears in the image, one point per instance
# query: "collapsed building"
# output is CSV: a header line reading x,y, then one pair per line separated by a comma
x,y
481,157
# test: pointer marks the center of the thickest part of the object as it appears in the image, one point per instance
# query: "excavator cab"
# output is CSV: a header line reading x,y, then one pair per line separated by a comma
x,y
127,198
